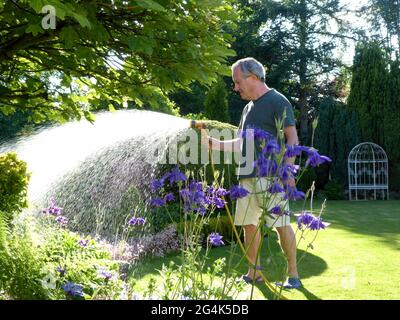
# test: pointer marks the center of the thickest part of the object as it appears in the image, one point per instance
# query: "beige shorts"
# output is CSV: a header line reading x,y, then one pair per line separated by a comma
x,y
249,209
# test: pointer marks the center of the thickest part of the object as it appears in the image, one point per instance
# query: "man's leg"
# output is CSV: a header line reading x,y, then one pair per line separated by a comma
x,y
287,239
252,239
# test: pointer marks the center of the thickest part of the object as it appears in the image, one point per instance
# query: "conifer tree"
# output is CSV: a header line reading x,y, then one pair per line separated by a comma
x,y
216,102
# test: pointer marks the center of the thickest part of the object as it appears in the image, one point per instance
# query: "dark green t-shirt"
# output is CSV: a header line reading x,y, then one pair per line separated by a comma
x,y
262,113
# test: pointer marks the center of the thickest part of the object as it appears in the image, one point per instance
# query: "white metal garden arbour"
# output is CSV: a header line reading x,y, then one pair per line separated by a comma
x,y
368,171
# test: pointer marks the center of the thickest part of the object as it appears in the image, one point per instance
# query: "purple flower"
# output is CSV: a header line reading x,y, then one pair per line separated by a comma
x,y
257,133
216,239
106,275
137,221
174,176
315,159
294,151
287,171
52,209
272,147
213,196
293,194
72,289
157,202
194,198
61,271
318,224
156,184
279,211
83,242
305,218
266,167
275,188
221,192
237,192
62,220
169,197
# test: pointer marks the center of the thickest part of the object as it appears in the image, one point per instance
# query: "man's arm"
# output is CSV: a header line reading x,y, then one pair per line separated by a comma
x,y
215,144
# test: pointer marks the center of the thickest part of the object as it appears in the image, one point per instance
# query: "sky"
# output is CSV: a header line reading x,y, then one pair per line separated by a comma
x,y
355,21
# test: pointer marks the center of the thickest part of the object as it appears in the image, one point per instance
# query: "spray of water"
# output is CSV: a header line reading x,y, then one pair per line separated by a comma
x,y
98,172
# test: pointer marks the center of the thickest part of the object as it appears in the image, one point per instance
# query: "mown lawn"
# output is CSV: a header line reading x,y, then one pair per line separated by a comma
x,y
356,257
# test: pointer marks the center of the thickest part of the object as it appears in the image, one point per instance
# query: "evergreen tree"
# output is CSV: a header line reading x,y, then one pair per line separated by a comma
x,y
391,125
216,102
369,90
338,132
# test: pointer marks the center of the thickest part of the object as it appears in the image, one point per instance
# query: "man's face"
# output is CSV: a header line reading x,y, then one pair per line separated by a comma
x,y
243,85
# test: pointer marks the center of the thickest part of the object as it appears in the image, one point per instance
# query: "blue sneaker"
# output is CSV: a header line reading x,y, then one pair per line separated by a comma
x,y
290,283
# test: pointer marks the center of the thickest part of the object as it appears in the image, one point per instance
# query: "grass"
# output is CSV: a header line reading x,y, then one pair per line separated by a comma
x,y
355,258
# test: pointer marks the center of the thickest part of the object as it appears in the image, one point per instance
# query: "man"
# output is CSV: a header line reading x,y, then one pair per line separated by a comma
x,y
265,107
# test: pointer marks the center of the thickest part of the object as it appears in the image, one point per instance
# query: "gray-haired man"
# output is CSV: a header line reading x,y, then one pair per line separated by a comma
x,y
266,105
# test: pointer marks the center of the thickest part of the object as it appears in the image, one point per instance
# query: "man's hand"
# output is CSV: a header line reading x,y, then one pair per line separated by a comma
x,y
205,138
291,182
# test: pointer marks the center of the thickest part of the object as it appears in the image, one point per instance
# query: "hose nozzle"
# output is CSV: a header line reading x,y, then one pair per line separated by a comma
x,y
197,124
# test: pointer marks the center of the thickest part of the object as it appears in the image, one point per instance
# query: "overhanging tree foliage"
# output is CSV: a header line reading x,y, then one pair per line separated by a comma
x,y
108,50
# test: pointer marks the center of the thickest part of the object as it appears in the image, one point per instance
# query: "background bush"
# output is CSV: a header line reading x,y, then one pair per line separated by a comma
x,y
13,185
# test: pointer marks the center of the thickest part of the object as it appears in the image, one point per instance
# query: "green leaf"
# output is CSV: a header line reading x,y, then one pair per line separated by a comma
x,y
83,20
69,36
34,29
150,4
111,107
36,5
142,44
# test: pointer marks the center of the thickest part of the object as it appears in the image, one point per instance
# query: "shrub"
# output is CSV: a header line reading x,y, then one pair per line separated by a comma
x,y
13,185
334,190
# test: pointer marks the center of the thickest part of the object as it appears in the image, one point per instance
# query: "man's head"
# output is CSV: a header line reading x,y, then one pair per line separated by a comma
x,y
249,78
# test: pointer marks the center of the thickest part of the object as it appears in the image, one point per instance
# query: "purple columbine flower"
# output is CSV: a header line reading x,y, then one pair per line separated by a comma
x,y
72,289
139,221
266,167
156,184
216,239
194,198
318,224
287,171
257,133
315,159
293,194
52,209
279,211
62,221
275,188
294,151
83,242
213,196
272,147
174,176
61,271
237,192
157,202
169,197
305,218
106,275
